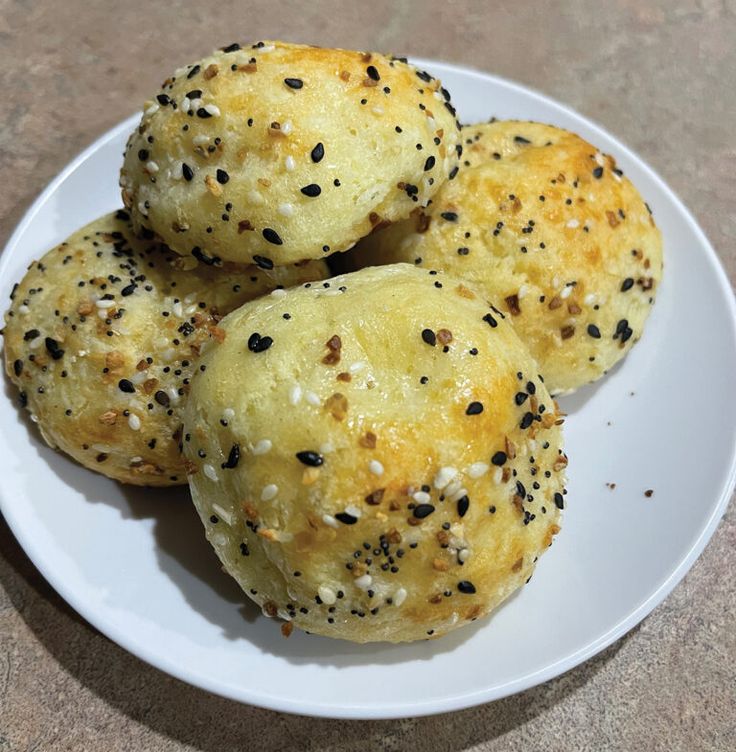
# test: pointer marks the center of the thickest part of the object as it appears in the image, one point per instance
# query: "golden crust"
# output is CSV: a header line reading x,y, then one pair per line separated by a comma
x,y
550,230
391,466
286,151
105,312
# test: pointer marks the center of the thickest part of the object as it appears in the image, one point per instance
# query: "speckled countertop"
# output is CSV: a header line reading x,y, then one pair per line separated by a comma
x,y
659,75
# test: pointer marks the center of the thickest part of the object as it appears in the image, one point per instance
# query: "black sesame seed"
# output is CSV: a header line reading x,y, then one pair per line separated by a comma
x,y
598,172
627,284
294,83
474,408
372,73
527,420
272,236
521,140
520,398
490,320
429,164
187,171
559,501
31,334
234,47
52,346
202,113
263,262
258,344
222,177
143,155
18,367
345,518
128,289
163,99
312,190
594,331
200,255
422,510
463,503
499,458
233,458
318,152
449,216
429,337
464,586
162,398
312,459
126,386
193,72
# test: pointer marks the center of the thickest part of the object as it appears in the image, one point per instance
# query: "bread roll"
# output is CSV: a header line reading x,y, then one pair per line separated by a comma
x,y
374,457
102,338
548,228
275,152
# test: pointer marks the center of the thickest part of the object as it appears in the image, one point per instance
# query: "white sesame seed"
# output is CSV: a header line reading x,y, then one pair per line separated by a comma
x,y
364,582
431,122
173,394
175,172
289,163
287,128
278,293
295,394
312,398
142,208
262,447
328,519
400,596
573,223
102,313
599,159
152,109
196,103
213,110
326,595
354,511
287,210
375,467
478,469
522,292
228,413
269,492
219,539
210,472
223,514
255,197
497,475
135,459
462,555
134,422
457,495
152,166
452,487
200,139
185,105
36,343
565,292
589,299
105,303
359,365
377,110
178,310
444,476
23,309
421,497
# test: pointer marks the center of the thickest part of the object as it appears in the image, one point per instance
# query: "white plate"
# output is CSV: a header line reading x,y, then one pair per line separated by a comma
x,y
136,565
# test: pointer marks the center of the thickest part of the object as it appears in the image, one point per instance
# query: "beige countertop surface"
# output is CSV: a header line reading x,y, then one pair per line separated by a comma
x,y
659,75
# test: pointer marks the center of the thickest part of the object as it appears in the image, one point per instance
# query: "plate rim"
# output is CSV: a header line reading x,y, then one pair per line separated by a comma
x,y
433,706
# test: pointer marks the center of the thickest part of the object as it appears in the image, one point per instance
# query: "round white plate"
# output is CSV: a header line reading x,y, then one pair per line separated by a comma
x,y
136,565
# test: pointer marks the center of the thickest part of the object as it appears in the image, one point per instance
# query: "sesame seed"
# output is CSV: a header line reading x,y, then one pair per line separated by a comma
x,y
294,83
262,447
429,164
399,596
310,458
134,422
477,469
594,331
466,587
287,210
258,344
364,582
375,467
295,394
211,109
373,73
222,176
474,408
499,458
421,497
429,337
313,399
312,190
210,472
327,595
444,476
272,236
317,152
329,520
126,386
269,492
289,163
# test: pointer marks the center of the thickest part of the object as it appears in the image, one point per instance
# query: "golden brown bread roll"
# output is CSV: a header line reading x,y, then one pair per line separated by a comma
x,y
374,457
551,231
278,152
103,335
